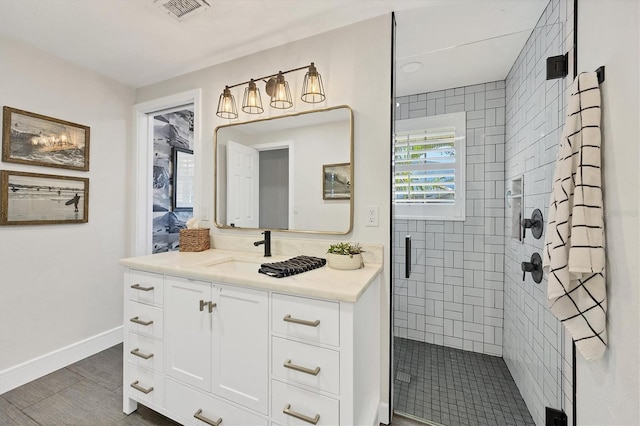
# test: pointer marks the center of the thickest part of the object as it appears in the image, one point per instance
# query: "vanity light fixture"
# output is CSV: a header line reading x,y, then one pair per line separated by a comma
x,y
278,90
252,102
227,105
312,88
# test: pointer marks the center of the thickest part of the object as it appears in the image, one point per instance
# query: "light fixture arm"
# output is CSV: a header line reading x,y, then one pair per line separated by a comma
x,y
266,77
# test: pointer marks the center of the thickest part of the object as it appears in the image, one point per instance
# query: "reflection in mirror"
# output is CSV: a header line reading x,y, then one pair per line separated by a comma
x,y
183,167
270,173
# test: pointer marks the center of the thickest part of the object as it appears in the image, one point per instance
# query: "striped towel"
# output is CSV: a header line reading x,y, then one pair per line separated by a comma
x,y
574,256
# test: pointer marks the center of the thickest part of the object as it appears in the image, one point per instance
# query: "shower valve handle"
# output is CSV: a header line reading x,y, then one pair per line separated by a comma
x,y
534,266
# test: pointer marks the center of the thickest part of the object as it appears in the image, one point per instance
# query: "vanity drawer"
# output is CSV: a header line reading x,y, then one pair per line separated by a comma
x,y
146,287
144,319
320,367
186,403
313,320
145,352
145,386
302,403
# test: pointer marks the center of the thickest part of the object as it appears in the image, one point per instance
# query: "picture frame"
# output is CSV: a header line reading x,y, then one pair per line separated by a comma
x,y
38,199
336,181
183,175
35,139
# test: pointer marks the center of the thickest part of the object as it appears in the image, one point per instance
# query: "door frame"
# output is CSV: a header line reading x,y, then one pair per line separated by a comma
x,y
289,146
142,196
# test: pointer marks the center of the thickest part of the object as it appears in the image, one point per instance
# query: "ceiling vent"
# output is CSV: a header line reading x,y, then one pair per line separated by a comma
x,y
181,9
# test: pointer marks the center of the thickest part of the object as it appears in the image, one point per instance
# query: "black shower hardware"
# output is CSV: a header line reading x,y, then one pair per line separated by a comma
x,y
534,266
407,256
266,242
536,224
558,67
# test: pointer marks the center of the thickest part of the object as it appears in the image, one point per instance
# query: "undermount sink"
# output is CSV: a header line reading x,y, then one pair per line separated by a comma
x,y
245,266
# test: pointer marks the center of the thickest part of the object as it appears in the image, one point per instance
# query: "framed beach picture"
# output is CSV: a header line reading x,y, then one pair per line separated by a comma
x,y
35,139
36,199
336,181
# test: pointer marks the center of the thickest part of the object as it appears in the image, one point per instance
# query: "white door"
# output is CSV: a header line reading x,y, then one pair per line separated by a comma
x,y
241,346
188,331
242,185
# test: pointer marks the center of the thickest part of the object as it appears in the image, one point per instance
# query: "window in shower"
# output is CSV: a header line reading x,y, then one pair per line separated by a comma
x,y
429,164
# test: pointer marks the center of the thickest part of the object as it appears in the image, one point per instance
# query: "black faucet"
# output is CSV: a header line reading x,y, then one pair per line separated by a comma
x,y
266,242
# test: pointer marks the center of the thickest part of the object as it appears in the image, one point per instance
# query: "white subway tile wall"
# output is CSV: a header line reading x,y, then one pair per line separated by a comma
x,y
454,296
533,346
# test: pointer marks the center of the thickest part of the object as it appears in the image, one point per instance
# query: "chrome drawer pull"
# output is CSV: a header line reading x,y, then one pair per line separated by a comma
x,y
313,420
288,318
137,352
314,372
136,386
138,287
199,416
139,321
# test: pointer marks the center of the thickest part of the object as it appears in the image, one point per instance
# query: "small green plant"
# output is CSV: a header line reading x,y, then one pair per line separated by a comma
x,y
345,249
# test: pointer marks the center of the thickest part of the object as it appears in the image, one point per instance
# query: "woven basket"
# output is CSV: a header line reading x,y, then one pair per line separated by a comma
x,y
194,239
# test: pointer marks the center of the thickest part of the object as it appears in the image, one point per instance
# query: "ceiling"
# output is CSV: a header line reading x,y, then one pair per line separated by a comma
x,y
134,42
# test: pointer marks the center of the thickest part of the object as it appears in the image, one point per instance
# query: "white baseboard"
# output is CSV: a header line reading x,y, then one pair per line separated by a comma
x,y
20,374
383,413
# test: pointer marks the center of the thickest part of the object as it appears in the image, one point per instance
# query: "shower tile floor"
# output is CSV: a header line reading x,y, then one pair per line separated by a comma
x,y
453,387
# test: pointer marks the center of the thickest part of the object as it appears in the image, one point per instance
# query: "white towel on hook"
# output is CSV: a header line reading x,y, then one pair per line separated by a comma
x,y
574,256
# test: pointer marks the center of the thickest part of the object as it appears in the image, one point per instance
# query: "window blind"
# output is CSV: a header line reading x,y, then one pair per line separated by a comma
x,y
425,166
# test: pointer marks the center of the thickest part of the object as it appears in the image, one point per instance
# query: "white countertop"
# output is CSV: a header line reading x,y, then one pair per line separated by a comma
x,y
209,265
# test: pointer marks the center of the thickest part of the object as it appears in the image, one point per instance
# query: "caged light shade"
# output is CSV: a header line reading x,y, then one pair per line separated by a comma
x,y
281,96
252,102
312,88
227,105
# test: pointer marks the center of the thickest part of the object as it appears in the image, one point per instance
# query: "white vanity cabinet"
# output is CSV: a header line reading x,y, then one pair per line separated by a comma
x,y
218,352
217,340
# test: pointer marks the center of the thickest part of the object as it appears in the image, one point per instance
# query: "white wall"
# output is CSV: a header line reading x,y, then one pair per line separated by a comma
x,y
364,84
61,284
609,389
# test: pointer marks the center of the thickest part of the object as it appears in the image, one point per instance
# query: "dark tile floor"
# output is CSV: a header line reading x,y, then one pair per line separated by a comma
x,y
453,387
86,393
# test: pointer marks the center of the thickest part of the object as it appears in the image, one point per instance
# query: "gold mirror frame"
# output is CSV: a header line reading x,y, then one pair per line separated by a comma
x,y
351,172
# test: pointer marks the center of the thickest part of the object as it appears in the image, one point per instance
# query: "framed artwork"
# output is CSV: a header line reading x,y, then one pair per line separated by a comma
x,y
36,199
183,167
336,181
35,139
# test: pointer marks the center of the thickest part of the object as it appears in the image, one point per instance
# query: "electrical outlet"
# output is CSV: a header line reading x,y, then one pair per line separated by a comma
x,y
372,216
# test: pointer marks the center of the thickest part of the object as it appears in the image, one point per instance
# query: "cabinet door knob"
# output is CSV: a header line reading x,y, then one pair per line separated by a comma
x,y
139,287
289,318
136,386
198,415
139,321
210,305
314,372
288,411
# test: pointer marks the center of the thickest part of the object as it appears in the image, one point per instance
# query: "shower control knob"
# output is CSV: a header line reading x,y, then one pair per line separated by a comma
x,y
536,224
534,267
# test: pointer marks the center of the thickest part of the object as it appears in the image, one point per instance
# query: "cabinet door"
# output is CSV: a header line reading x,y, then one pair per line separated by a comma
x,y
240,346
188,331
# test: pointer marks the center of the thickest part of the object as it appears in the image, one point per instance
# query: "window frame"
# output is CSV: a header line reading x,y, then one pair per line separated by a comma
x,y
430,211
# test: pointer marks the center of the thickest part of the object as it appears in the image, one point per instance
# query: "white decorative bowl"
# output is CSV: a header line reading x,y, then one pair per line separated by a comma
x,y
340,261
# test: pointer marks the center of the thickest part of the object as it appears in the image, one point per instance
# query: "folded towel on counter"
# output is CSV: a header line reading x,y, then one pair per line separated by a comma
x,y
574,256
293,266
